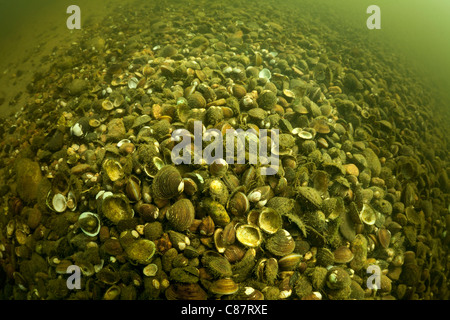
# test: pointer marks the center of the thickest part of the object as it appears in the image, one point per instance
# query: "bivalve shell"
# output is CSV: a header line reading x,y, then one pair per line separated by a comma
x,y
289,262
270,220
89,223
238,204
384,237
59,202
249,235
181,214
281,243
368,215
113,169
141,250
116,208
343,254
167,183
224,286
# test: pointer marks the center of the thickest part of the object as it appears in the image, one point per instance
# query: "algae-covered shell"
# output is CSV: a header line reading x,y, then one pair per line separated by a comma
x,y
219,267
89,223
324,257
338,278
218,167
116,208
181,214
270,220
281,243
167,183
249,235
310,197
113,169
141,250
217,212
224,286
196,101
267,100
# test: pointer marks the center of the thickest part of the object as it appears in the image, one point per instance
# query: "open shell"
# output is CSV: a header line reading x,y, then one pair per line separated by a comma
x,y
116,208
89,223
249,235
270,220
59,202
113,169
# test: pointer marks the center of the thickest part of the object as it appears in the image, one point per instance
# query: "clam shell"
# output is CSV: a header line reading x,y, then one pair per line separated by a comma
x,y
384,236
281,243
343,254
289,262
238,204
265,74
89,223
60,183
233,253
59,202
224,286
116,208
152,168
133,188
218,240
141,250
113,169
249,235
181,214
71,202
270,220
324,257
107,105
310,197
167,183
150,270
217,212
218,167
219,267
206,226
368,215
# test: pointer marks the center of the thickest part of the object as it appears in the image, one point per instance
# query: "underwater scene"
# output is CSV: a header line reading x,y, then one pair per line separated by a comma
x,y
224,150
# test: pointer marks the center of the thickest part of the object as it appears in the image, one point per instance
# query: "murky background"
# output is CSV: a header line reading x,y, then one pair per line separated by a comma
x,y
416,30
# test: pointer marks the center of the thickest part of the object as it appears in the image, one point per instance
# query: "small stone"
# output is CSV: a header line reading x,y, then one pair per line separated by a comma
x,y
116,129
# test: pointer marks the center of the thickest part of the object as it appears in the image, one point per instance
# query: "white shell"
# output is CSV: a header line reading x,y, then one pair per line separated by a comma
x,y
85,215
59,202
265,73
76,130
